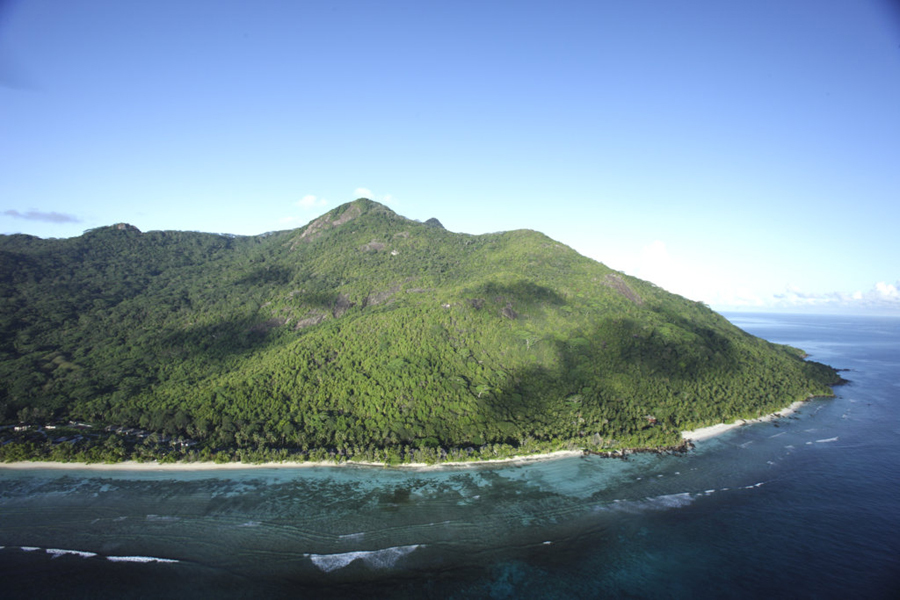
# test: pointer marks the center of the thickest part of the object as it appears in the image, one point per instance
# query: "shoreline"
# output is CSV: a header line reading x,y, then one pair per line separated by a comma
x,y
705,433
131,465
694,435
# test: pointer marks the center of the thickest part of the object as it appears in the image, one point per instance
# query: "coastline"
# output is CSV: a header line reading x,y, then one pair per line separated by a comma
x,y
705,433
131,465
694,435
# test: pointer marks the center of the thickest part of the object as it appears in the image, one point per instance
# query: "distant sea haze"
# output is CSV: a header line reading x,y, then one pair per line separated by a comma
x,y
803,506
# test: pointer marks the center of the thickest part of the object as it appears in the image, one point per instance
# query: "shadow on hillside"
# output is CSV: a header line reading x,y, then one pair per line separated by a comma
x,y
688,352
239,335
218,341
519,291
324,300
271,275
598,361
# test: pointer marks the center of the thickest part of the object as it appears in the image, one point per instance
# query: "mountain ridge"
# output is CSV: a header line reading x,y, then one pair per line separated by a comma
x,y
365,334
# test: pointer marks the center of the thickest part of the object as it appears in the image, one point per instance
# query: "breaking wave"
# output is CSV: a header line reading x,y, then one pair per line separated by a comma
x,y
666,501
655,503
58,552
376,559
140,559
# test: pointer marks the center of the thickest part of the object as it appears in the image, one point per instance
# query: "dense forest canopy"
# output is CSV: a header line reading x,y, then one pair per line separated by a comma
x,y
362,335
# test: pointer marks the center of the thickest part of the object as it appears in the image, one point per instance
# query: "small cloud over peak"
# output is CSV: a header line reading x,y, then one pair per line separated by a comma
x,y
46,217
309,201
387,199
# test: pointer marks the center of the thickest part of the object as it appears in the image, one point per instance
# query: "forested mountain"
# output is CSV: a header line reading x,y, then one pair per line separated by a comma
x,y
363,334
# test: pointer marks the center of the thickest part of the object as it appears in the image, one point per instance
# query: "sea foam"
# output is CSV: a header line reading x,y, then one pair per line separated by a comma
x,y
163,518
57,552
376,559
654,503
140,559
250,524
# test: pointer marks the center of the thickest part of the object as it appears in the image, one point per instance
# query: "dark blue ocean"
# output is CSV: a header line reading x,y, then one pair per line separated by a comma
x,y
804,507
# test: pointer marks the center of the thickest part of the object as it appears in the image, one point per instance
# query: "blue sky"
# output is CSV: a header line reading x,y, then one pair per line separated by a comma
x,y
745,154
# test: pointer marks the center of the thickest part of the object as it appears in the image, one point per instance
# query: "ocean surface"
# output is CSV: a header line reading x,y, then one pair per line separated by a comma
x,y
804,507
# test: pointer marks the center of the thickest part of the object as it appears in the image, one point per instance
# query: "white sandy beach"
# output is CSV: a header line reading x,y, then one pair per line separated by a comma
x,y
704,433
131,465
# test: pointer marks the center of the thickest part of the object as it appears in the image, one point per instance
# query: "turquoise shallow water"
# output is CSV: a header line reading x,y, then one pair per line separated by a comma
x,y
806,507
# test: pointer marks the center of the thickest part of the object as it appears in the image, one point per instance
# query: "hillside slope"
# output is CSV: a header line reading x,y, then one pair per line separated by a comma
x,y
369,335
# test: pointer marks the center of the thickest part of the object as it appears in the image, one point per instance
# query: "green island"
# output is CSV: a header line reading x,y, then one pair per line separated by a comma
x,y
363,336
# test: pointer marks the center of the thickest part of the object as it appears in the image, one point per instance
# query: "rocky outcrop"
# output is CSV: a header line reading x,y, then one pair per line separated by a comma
x,y
380,297
311,318
373,246
615,281
508,312
326,222
341,305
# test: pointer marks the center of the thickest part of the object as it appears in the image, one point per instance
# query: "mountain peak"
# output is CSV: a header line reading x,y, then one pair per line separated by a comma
x,y
342,214
366,205
126,227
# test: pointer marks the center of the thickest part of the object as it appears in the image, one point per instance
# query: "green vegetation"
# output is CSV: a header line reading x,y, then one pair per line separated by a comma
x,y
362,336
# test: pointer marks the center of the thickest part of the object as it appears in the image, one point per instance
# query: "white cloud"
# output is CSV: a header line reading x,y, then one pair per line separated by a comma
x,y
309,201
725,288
672,273
387,199
882,296
656,254
741,297
887,291
654,263
38,215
